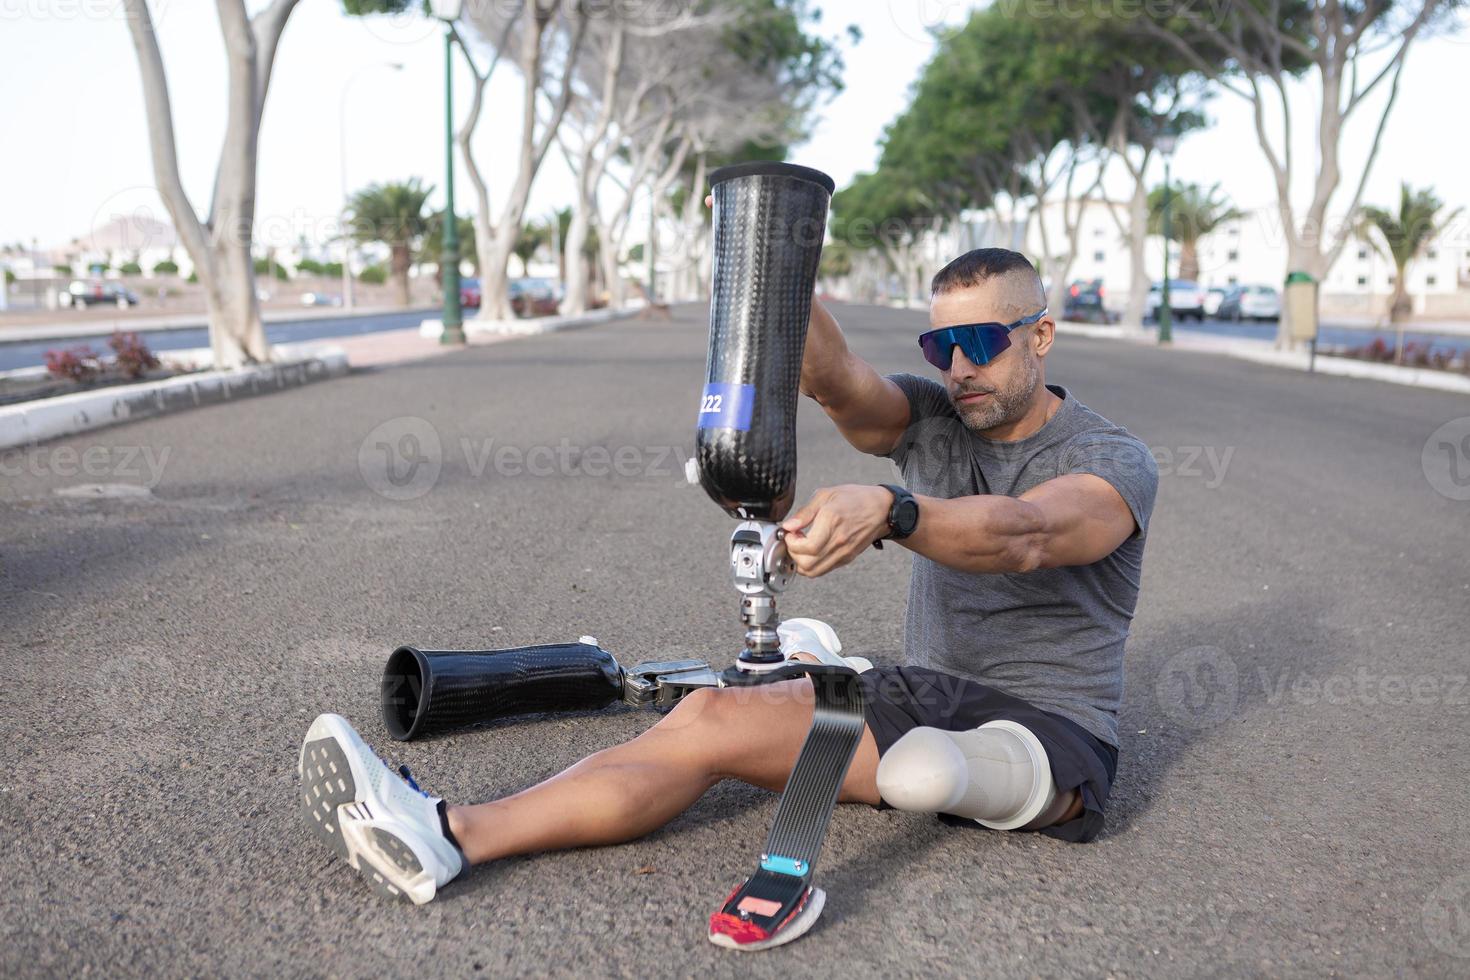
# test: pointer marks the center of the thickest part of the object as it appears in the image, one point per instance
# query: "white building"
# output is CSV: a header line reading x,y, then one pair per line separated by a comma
x,y
1250,250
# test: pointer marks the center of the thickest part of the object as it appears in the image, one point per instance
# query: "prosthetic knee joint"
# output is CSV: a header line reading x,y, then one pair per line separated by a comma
x,y
997,775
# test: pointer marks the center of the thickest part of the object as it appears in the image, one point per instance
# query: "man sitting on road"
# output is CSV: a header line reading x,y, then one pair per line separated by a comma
x,y
1026,514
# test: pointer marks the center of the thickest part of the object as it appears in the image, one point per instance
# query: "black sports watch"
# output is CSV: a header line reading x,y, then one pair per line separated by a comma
x,y
903,516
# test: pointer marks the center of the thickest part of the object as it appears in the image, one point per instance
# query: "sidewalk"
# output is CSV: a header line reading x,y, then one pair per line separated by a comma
x,y
1265,352
106,323
27,423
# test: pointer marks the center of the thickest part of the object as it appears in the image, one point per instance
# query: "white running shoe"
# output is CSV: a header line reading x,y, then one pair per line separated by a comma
x,y
814,637
378,821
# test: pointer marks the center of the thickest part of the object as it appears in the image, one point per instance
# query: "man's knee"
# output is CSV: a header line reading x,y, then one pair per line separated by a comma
x,y
729,707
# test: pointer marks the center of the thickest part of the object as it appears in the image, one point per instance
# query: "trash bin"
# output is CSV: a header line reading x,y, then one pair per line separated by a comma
x,y
1301,306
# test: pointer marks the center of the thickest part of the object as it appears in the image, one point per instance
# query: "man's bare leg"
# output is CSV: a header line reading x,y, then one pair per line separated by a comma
x,y
621,793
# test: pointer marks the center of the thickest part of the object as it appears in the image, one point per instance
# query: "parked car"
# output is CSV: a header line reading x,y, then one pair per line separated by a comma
x,y
1186,299
1084,302
469,294
320,299
96,292
534,297
1250,303
1213,296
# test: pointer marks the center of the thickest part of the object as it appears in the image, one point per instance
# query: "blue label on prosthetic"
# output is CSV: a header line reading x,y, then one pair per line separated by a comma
x,y
783,865
726,406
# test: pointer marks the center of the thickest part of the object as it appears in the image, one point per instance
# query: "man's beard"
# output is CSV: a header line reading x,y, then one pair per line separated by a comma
x,y
1004,404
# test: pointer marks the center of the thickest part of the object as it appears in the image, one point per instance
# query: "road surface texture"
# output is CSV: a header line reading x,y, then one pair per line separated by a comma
x,y
1291,798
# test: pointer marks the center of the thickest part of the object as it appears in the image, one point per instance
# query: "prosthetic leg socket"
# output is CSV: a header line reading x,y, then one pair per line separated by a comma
x,y
997,775
427,692
769,221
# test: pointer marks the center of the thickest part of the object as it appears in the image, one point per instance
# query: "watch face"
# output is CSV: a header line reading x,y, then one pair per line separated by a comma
x,y
907,516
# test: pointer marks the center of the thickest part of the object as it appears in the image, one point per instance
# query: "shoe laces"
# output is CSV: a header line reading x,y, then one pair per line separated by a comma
x,y
408,778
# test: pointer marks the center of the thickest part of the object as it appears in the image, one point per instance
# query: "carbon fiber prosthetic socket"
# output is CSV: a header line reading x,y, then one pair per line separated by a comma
x,y
769,220
426,692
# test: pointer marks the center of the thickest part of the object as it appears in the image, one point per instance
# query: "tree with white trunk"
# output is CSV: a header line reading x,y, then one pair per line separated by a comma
x,y
220,244
545,38
1345,52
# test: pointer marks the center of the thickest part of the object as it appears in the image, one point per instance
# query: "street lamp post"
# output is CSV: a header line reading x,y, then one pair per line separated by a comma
x,y
1165,144
347,297
448,11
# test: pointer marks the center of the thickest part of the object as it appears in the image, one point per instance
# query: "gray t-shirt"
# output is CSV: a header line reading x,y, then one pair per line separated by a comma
x,y
1053,637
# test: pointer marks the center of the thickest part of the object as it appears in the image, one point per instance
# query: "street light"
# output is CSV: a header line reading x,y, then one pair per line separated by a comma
x,y
448,12
342,162
1165,143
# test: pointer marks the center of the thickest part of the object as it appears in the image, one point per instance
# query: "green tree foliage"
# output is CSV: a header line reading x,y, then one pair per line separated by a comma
x,y
130,269
534,234
374,275
780,38
836,261
366,8
1194,212
168,267
1401,236
432,248
393,214
269,267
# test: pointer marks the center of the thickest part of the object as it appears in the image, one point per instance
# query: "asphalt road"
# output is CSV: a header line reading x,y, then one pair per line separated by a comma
x,y
1291,798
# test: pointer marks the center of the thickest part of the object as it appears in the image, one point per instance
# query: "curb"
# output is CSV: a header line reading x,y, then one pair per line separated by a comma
x,y
433,329
1264,353
28,423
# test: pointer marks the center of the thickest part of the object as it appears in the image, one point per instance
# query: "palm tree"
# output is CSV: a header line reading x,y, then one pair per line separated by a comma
x,y
1402,237
532,237
432,249
393,214
1194,212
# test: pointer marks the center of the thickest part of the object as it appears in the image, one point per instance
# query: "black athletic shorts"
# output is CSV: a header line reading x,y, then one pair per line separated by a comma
x,y
897,699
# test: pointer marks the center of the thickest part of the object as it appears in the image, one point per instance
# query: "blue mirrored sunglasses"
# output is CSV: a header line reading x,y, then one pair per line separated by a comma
x,y
981,342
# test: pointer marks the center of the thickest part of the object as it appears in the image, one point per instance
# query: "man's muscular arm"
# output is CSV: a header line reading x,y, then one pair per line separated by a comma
x,y
870,411
1075,519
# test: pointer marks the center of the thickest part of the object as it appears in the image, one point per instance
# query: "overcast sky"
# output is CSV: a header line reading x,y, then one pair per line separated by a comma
x,y
76,150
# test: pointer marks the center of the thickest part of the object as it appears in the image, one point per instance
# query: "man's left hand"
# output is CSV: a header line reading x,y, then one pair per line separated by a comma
x,y
835,526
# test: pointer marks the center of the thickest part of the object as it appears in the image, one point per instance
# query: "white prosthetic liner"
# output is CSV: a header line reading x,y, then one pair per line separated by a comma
x,y
997,775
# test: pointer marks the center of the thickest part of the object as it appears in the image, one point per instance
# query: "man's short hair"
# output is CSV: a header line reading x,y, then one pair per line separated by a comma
x,y
978,265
